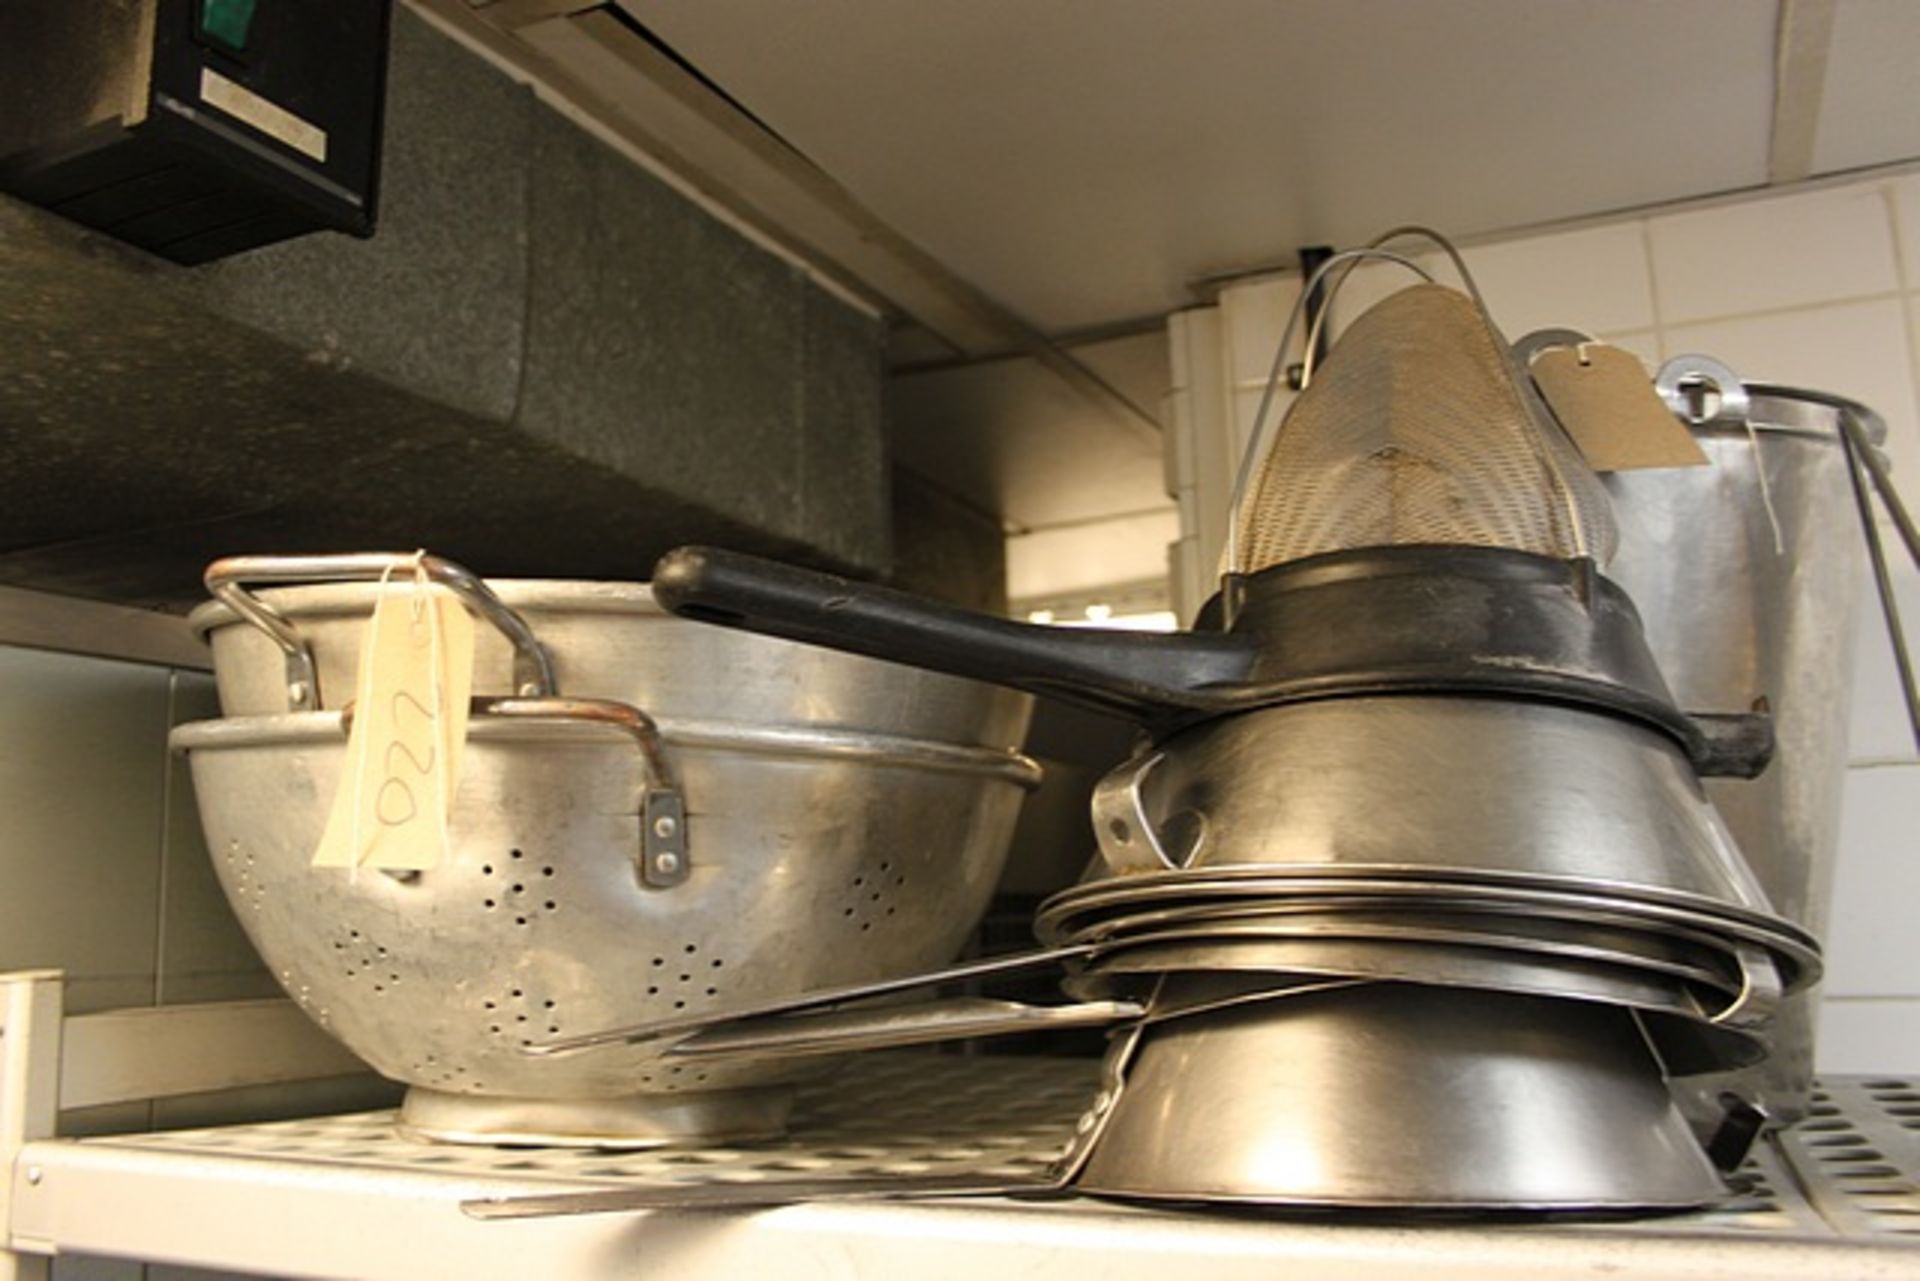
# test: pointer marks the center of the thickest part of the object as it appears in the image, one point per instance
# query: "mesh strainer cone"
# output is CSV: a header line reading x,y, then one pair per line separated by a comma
x,y
1416,430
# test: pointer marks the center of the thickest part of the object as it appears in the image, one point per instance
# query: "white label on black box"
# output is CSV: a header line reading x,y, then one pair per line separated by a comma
x,y
275,121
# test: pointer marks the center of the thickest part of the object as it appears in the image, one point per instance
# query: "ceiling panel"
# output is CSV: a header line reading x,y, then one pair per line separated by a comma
x,y
1083,161
1870,103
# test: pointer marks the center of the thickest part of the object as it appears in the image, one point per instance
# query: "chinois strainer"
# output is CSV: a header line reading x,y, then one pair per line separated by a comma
x,y
1416,432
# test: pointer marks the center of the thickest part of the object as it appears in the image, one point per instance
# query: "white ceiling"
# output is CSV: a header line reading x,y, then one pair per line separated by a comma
x,y
992,168
1085,161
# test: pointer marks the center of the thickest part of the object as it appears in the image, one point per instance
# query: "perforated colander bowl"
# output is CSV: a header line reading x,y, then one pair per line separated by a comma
x,y
816,860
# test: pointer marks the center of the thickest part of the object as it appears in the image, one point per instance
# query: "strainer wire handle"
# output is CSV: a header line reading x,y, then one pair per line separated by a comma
x,y
1256,438
1345,262
532,665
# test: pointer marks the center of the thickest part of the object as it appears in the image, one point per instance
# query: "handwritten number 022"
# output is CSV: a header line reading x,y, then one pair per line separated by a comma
x,y
395,790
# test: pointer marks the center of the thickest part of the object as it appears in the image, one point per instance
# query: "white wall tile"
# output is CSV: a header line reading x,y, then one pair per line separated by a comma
x,y
1370,282
1644,343
1868,1038
1858,350
1785,251
81,780
1873,948
1594,280
1906,218
1878,726
1913,350
1071,558
1254,316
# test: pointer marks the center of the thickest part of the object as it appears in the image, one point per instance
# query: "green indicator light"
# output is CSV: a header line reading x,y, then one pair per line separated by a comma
x,y
227,21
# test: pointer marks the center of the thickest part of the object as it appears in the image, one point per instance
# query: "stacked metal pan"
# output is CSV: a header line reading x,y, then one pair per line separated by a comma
x,y
1415,887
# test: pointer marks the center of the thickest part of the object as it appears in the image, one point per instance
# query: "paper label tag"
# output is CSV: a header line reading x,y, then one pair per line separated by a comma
x,y
409,729
1604,399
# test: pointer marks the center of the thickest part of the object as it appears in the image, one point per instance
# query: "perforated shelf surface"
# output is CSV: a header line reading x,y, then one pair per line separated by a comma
x,y
346,1196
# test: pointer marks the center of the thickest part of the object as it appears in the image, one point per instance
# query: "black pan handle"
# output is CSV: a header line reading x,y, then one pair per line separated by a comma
x,y
1145,676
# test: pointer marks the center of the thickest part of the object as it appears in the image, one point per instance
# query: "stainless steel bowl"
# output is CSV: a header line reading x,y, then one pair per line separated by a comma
x,y
1395,1097
1463,786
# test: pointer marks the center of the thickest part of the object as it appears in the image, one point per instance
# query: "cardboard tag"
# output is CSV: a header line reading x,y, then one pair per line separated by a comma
x,y
409,730
1605,400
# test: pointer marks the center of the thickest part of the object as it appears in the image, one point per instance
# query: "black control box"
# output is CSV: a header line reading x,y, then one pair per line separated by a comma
x,y
195,128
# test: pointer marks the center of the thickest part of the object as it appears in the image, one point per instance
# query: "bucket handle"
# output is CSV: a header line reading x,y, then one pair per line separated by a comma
x,y
532,665
664,860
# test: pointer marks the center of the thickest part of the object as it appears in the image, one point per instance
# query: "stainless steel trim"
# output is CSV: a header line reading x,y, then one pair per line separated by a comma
x,y
68,625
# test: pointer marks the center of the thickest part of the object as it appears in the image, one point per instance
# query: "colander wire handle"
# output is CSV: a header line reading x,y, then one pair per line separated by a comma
x,y
532,665
664,857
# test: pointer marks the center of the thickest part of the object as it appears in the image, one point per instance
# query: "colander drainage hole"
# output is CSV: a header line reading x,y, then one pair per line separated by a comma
x,y
486,869
517,853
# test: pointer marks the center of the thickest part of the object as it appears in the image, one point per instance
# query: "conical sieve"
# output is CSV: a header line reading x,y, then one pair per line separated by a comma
x,y
1418,432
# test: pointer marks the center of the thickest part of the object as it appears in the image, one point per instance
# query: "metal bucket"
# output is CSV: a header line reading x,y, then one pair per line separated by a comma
x,y
1734,613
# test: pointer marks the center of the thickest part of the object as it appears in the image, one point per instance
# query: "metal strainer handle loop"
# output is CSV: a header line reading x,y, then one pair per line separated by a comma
x,y
663,808
1760,991
1576,529
532,665
1256,439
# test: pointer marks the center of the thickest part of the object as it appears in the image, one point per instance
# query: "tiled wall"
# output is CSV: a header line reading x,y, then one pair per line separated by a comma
x,y
1817,287
103,872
